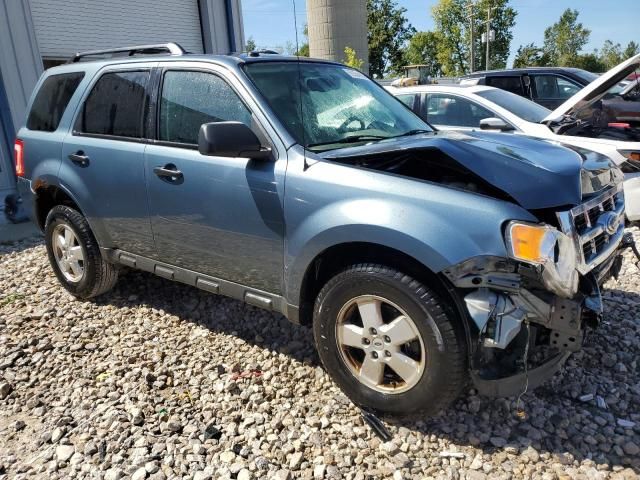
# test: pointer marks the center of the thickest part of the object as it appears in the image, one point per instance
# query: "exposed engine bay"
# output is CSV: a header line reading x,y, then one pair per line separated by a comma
x,y
430,164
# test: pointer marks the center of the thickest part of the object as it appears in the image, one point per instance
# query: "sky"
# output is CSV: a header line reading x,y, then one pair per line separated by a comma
x,y
271,22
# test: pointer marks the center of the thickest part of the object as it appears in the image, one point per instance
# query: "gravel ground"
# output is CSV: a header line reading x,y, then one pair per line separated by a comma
x,y
159,380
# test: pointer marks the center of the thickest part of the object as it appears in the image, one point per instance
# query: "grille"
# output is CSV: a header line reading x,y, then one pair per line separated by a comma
x,y
596,226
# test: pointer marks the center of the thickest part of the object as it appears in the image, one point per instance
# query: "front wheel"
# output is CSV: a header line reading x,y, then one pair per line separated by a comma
x,y
389,342
75,256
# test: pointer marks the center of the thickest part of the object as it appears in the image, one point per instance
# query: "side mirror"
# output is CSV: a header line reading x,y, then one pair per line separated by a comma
x,y
230,139
494,123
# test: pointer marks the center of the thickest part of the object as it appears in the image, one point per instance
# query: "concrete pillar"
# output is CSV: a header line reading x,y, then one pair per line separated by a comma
x,y
336,24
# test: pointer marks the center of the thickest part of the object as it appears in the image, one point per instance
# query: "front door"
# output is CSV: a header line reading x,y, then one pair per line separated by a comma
x,y
103,163
551,91
218,216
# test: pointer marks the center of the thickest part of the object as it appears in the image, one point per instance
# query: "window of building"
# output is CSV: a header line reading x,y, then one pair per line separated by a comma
x,y
51,101
115,105
190,99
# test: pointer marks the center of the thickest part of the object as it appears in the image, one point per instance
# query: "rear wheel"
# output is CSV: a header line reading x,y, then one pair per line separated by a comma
x,y
388,341
75,256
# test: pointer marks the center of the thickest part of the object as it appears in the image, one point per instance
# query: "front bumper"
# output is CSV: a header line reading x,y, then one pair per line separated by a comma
x,y
509,308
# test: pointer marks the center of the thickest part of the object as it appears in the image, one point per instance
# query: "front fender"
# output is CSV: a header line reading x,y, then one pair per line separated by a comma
x,y
437,233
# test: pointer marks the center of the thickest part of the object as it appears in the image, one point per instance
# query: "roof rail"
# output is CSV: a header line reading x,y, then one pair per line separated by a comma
x,y
170,48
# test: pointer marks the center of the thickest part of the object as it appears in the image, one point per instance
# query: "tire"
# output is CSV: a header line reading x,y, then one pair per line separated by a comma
x,y
96,276
439,339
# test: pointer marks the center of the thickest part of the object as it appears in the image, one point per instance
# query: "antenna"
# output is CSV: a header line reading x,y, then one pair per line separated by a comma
x,y
304,148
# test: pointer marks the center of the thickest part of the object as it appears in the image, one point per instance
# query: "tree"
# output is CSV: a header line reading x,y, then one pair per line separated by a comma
x,y
564,39
610,54
453,51
423,50
590,62
251,45
303,51
453,26
351,59
388,32
632,50
528,55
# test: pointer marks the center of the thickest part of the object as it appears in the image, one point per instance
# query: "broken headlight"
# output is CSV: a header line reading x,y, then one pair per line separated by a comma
x,y
549,248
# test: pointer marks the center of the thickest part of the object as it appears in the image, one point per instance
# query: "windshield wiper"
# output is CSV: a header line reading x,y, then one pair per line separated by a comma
x,y
351,139
415,131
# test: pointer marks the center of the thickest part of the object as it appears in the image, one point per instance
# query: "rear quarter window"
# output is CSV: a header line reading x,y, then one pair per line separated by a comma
x,y
51,101
510,84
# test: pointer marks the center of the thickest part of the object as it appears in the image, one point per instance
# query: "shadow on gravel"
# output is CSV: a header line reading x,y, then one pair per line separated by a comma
x,y
215,312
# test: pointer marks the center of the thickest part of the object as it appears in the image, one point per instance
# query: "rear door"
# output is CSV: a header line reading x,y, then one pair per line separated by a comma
x,y
102,158
218,216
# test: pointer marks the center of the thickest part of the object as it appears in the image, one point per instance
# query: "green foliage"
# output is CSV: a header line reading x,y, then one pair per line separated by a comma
x,y
528,56
453,26
423,50
251,45
303,51
564,39
590,62
351,59
632,50
388,32
453,50
610,54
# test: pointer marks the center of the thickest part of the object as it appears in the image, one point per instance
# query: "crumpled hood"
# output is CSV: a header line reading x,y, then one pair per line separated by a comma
x,y
536,174
596,89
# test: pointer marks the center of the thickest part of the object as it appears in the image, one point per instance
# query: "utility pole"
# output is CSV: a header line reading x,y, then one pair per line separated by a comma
x,y
471,50
488,36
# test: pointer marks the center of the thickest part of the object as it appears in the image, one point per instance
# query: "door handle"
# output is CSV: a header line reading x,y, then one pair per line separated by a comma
x,y
169,173
79,158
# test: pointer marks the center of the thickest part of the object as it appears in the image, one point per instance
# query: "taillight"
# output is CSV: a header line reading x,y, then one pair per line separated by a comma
x,y
18,151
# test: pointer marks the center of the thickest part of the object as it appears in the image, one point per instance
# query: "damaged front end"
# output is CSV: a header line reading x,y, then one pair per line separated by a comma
x,y
529,312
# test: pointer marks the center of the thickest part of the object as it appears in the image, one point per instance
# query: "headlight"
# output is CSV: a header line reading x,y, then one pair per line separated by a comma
x,y
546,246
632,165
531,243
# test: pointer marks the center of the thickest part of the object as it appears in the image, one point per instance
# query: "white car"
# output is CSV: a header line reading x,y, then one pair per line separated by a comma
x,y
483,107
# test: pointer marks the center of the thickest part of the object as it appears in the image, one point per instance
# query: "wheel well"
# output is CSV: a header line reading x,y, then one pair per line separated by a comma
x,y
335,259
49,197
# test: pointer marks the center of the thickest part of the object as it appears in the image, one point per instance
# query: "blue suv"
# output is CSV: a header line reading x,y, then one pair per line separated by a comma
x,y
422,259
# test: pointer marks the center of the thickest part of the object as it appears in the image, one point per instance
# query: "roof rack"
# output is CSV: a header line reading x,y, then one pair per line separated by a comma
x,y
170,48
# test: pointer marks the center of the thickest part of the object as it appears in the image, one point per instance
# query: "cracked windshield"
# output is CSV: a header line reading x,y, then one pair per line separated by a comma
x,y
333,105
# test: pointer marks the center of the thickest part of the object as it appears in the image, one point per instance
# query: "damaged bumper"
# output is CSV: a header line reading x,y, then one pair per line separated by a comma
x,y
524,332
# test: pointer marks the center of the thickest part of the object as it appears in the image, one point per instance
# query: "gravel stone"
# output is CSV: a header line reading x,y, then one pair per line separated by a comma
x,y
159,380
64,452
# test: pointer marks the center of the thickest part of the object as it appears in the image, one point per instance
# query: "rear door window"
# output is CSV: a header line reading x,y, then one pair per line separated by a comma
x,y
454,111
115,105
552,86
511,84
191,98
51,101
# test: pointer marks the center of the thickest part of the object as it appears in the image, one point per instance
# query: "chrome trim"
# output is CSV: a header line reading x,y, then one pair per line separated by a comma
x,y
606,221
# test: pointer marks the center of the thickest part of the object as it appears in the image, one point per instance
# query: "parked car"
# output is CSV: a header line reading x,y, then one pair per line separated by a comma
x,y
482,107
420,259
553,86
548,86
